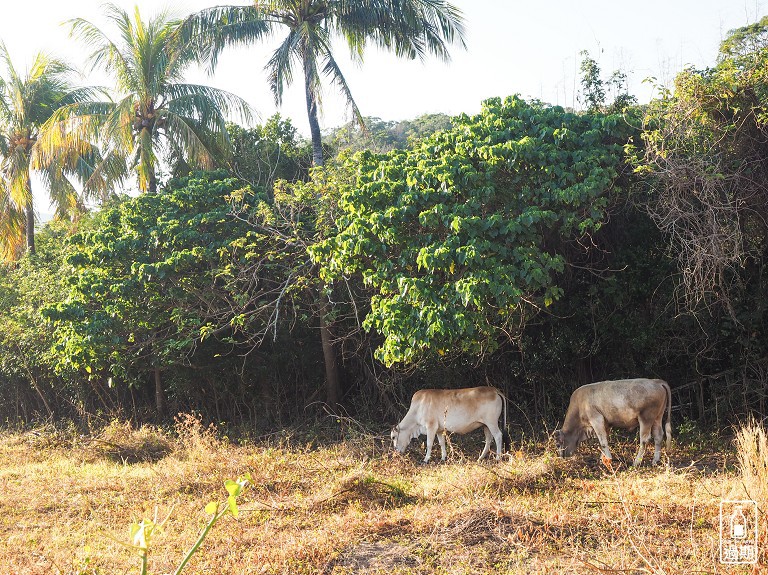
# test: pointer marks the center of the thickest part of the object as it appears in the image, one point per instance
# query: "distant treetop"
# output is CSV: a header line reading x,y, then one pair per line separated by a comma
x,y
385,135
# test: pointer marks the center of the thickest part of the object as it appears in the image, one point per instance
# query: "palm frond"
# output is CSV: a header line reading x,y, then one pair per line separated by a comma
x,y
15,170
332,70
106,54
12,222
72,129
61,191
410,28
280,65
10,69
103,174
186,135
206,33
188,99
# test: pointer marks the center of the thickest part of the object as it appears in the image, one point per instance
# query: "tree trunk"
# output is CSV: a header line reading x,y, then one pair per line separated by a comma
x,y
160,401
35,386
314,125
29,212
332,384
152,180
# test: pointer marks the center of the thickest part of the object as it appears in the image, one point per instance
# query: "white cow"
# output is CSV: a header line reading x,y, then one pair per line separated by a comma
x,y
625,403
435,411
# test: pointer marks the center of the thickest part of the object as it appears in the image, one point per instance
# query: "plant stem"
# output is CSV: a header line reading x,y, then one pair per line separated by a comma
x,y
199,541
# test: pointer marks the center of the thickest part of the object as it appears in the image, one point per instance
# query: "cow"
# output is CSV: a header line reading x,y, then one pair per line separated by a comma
x,y
436,411
626,404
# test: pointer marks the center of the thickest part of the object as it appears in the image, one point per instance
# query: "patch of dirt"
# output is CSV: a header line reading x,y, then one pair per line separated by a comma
x,y
377,557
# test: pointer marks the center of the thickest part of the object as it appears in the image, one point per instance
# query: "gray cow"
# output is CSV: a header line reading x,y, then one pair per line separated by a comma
x,y
626,404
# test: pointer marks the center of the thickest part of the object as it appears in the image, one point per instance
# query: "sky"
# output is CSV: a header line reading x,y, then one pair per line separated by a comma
x,y
531,48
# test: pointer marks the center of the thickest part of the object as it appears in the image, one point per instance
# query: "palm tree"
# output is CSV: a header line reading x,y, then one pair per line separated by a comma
x,y
26,103
154,113
410,28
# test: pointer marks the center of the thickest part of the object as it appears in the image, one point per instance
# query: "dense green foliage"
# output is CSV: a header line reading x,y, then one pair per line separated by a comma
x,y
27,377
460,238
406,27
528,247
162,272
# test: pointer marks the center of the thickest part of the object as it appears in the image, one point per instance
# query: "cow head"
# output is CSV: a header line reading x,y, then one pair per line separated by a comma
x,y
400,439
566,442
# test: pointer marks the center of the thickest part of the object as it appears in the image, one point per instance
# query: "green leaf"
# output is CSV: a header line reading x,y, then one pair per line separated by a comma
x,y
233,487
232,503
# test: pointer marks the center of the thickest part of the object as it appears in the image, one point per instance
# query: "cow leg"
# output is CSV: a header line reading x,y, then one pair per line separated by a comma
x,y
498,437
431,431
598,425
658,435
645,435
487,447
441,440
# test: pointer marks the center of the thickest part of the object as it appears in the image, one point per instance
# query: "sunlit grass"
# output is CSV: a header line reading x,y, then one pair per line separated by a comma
x,y
352,507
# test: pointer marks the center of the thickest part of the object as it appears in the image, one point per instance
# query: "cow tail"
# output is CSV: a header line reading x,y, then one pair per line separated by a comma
x,y
668,425
506,440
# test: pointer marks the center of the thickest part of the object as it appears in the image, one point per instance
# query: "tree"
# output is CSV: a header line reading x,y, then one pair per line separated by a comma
x,y
163,274
28,381
594,88
264,154
26,103
460,239
410,28
153,112
705,154
705,161
382,136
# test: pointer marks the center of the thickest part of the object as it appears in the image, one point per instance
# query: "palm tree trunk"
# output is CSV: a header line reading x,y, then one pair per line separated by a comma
x,y
152,180
29,212
332,383
314,125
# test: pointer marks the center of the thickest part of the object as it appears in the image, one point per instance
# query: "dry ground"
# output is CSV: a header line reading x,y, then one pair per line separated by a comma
x,y
351,507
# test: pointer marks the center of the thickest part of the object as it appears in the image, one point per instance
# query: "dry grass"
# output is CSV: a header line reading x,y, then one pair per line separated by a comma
x,y
353,507
752,448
